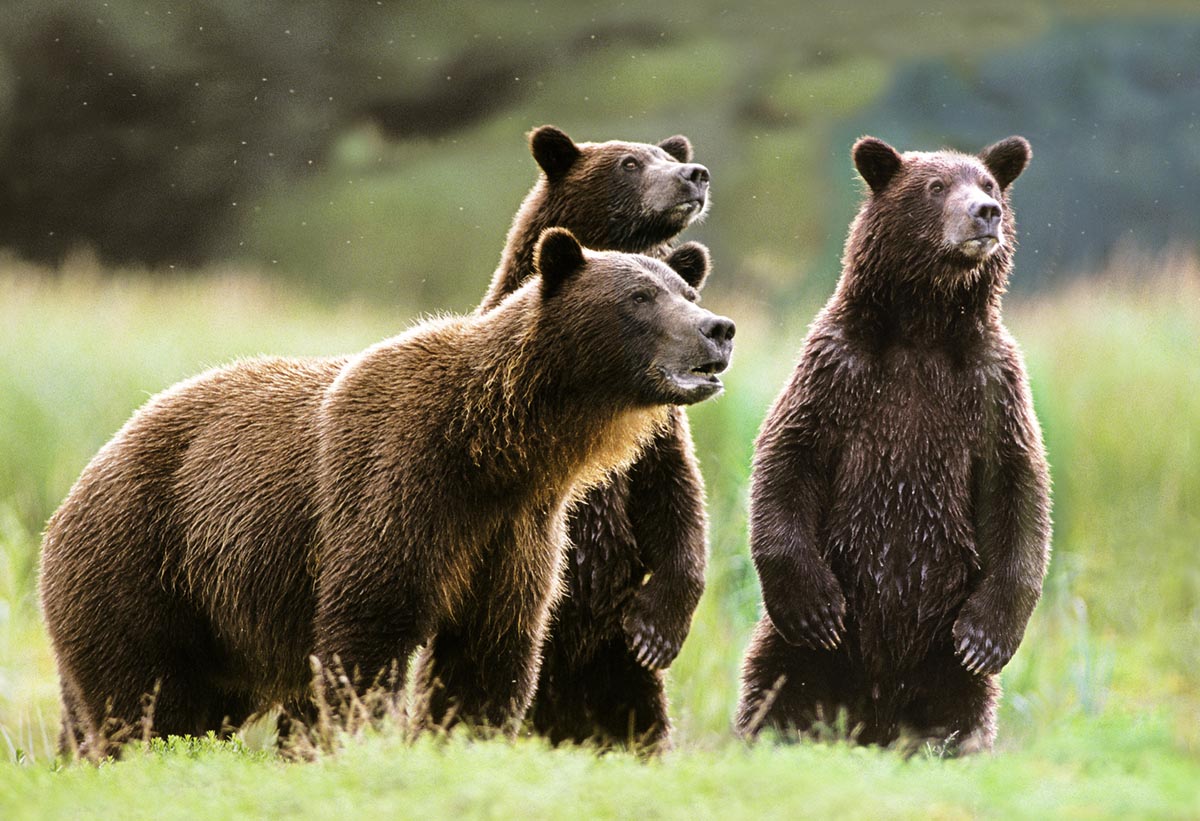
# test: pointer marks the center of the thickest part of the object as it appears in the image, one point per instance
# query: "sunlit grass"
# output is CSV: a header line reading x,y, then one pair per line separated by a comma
x,y
1087,768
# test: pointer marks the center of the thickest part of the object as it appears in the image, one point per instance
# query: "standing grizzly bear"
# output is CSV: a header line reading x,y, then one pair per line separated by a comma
x,y
359,506
899,509
615,630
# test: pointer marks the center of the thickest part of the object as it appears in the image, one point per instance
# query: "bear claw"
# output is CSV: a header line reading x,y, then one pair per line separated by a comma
x,y
823,631
652,648
980,654
820,628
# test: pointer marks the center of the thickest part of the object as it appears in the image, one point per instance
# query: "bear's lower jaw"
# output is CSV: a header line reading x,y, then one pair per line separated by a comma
x,y
690,387
686,212
979,247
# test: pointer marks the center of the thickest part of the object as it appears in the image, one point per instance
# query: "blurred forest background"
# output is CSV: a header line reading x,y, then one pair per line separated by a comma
x,y
181,184
378,147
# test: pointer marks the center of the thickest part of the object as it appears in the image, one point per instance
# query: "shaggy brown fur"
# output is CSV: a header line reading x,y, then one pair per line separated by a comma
x,y
900,502
615,631
359,506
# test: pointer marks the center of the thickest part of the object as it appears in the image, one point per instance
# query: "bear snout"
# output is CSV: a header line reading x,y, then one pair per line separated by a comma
x,y
719,329
718,334
696,174
699,348
986,213
974,223
690,188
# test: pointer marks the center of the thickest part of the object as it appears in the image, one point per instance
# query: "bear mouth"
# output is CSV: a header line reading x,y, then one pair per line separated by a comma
x,y
979,246
696,384
709,370
690,207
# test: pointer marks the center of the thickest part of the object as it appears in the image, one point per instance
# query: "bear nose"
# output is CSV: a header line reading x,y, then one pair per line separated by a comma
x,y
986,211
695,173
718,329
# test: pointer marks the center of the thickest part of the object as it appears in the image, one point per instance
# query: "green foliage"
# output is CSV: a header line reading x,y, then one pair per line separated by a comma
x,y
1101,705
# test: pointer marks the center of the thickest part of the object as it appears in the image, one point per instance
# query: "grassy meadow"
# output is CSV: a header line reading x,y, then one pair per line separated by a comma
x,y
1101,715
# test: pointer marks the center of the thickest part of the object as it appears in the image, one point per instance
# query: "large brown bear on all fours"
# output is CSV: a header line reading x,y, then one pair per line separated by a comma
x,y
900,494
358,507
615,630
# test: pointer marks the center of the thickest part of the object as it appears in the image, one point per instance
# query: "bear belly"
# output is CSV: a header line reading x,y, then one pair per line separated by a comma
x,y
900,539
603,570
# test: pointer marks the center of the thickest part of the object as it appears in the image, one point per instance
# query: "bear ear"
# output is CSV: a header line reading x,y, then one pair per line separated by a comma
x,y
554,151
556,257
876,161
1007,159
678,147
692,262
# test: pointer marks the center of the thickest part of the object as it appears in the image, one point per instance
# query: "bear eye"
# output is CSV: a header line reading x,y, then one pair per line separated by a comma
x,y
642,297
937,187
631,164
989,186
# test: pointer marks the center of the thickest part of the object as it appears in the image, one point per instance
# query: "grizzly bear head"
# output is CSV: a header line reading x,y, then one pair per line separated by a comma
x,y
632,321
939,207
617,195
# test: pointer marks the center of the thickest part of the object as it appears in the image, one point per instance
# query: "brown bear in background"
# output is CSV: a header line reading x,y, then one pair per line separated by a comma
x,y
900,513
639,546
359,506
615,629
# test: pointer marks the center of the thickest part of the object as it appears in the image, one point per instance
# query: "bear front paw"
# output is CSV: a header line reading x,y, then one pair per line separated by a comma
x,y
978,649
651,642
805,604
819,629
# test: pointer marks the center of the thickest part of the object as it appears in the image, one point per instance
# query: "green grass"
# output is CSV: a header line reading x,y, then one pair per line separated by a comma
x,y
1108,768
1101,715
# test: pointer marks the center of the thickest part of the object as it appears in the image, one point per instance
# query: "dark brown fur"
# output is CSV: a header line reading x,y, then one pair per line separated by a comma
x,y
614,632
900,495
359,506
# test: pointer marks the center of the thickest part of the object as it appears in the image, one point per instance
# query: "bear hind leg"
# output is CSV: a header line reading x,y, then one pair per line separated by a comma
x,y
169,704
146,686
485,685
560,709
72,737
955,712
630,702
797,691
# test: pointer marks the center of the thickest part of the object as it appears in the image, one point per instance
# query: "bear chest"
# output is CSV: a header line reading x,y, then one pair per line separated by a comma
x,y
899,525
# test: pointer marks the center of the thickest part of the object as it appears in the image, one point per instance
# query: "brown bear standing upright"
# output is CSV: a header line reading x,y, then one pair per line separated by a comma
x,y
899,509
359,506
614,630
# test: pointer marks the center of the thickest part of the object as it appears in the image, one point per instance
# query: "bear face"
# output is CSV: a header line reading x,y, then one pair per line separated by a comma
x,y
653,326
638,195
951,208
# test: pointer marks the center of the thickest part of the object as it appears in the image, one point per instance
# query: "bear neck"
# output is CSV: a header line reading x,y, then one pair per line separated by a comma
x,y
544,209
531,419
887,297
516,260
